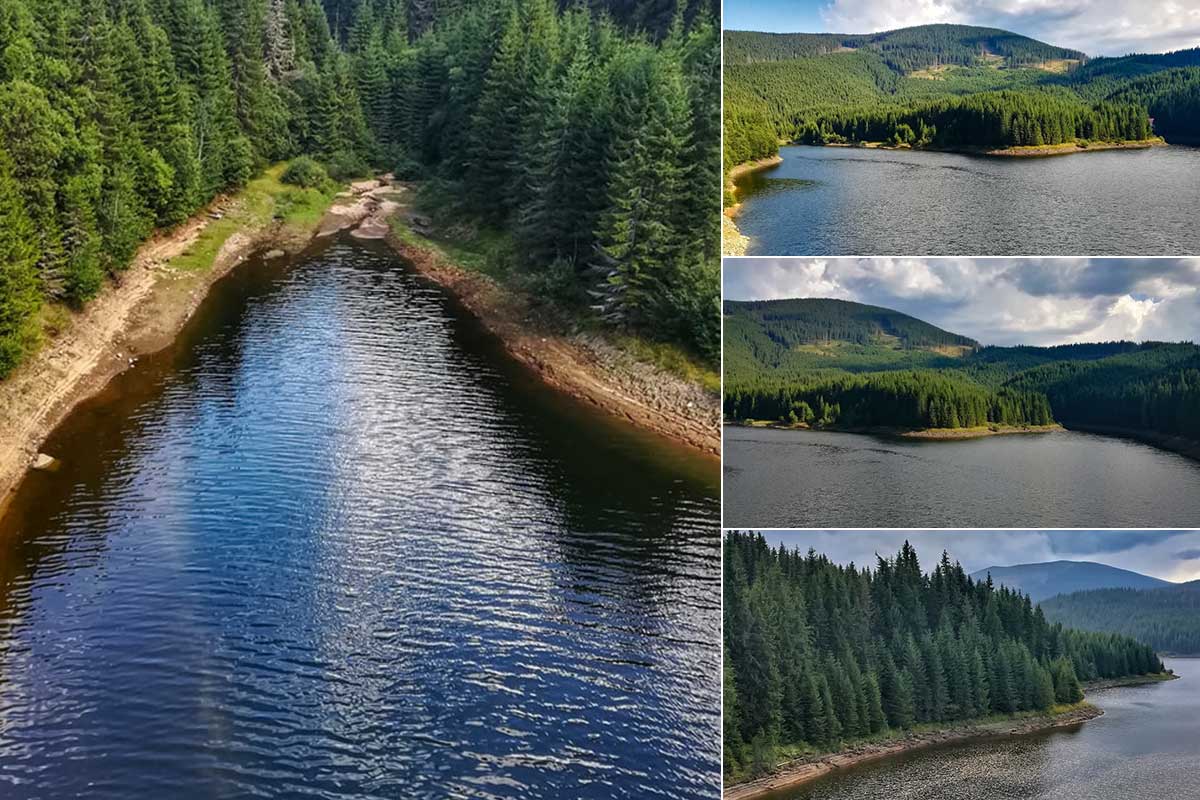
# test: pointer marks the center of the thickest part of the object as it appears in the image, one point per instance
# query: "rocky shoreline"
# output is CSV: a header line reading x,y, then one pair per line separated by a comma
x,y
801,771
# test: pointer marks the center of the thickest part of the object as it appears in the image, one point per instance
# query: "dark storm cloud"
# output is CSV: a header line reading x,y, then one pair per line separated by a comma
x,y
1097,277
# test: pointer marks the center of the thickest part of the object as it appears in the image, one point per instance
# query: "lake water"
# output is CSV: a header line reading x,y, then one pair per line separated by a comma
x,y
336,545
1145,745
824,201
817,479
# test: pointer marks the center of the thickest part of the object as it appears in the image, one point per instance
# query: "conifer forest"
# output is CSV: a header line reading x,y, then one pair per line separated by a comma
x,y
820,655
585,136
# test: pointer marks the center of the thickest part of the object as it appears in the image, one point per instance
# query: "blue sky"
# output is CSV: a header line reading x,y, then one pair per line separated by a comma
x,y
1001,301
1169,555
1098,27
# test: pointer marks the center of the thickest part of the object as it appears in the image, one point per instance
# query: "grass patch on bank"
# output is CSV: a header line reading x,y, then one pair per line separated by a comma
x,y
492,253
263,199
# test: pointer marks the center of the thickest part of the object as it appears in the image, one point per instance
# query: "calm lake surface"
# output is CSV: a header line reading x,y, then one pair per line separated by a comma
x,y
1145,745
824,201
336,545
816,479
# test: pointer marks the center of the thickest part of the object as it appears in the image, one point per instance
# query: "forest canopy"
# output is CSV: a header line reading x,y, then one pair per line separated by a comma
x,y
588,135
819,655
1167,619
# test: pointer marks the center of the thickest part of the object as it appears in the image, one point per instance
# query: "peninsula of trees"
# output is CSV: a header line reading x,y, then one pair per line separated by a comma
x,y
837,364
583,139
820,655
947,86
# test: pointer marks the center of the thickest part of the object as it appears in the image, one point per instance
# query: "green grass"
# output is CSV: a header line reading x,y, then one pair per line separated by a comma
x,y
673,359
263,199
492,252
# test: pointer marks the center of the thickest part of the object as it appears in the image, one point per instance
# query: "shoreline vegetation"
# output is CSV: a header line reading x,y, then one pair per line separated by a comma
x,y
1024,151
619,377
796,772
733,241
143,310
975,432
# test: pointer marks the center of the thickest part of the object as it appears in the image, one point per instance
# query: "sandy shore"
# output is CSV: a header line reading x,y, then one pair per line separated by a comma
x,y
905,433
733,241
1029,151
582,365
139,312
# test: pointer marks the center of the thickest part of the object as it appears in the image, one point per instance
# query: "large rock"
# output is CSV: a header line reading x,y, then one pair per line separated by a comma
x,y
45,463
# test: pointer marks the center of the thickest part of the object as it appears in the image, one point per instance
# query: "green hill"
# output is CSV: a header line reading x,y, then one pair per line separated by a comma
x,y
834,363
904,49
947,86
1167,619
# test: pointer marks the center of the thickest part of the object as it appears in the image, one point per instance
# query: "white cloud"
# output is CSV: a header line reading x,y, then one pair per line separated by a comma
x,y
1162,554
998,301
1098,27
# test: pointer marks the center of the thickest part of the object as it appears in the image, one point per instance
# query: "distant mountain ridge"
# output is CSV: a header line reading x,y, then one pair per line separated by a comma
x,y
1051,578
903,48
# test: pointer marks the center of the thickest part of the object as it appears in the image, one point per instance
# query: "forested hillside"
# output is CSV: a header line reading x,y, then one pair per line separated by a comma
x,y
1167,619
588,141
838,364
818,655
947,86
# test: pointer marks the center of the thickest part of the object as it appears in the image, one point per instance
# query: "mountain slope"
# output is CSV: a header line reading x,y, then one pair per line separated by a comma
x,y
903,49
834,363
1047,579
1167,619
773,329
947,86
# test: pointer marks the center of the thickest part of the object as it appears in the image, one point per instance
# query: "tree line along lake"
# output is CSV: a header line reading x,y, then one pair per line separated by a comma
x,y
1144,745
814,479
825,201
336,543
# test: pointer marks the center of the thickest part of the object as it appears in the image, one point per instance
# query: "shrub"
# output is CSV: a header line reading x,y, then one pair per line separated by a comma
x,y
344,165
304,172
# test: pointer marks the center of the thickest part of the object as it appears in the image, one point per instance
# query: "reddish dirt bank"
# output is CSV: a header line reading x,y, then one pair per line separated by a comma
x,y
139,312
144,309
582,365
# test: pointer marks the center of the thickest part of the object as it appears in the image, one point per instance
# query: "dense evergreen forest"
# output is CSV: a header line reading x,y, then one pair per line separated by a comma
x,y
832,363
1167,619
947,86
818,655
587,136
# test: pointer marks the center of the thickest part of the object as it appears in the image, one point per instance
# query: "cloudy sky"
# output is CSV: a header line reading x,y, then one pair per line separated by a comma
x,y
1170,555
1097,27
998,300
